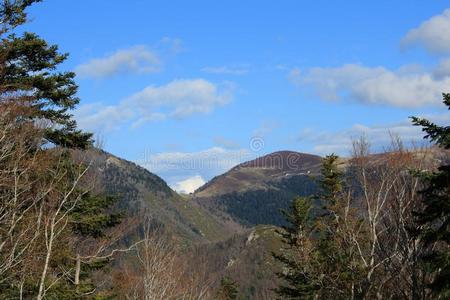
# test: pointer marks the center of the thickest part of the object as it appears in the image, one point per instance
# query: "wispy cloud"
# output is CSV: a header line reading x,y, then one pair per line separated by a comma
x,y
176,100
379,136
138,59
433,34
404,87
242,70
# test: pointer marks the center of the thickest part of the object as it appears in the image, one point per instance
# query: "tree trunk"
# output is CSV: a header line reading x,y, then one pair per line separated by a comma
x,y
77,270
41,293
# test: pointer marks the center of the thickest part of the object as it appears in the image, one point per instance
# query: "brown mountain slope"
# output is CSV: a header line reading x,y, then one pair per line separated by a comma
x,y
254,192
262,173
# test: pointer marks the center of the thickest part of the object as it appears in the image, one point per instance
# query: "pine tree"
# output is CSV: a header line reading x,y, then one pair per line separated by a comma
x,y
331,257
330,181
90,218
298,282
28,73
12,13
315,265
327,222
435,217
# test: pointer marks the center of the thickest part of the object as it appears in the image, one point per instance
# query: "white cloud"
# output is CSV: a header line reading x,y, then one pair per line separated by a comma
x,y
379,136
177,99
433,34
189,185
182,98
175,167
98,118
137,59
408,86
226,70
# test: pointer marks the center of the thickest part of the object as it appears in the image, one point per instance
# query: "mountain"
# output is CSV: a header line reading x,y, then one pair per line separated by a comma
x,y
220,243
255,191
228,225
140,193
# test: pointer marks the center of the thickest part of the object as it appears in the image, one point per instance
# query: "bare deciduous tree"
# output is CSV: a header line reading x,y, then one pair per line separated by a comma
x,y
161,270
386,196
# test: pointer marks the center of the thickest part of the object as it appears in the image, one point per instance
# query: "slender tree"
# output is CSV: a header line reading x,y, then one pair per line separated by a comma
x,y
332,254
298,281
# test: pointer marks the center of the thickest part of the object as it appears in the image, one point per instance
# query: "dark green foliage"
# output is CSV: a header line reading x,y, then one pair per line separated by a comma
x,y
28,71
315,262
297,283
330,182
435,217
90,217
12,13
299,218
266,206
438,134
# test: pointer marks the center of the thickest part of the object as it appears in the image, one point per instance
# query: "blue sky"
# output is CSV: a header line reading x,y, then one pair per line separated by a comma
x,y
190,88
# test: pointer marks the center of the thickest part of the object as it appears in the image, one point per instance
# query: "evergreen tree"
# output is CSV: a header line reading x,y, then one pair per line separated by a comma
x,y
91,216
318,260
298,282
314,261
12,13
435,217
28,73
330,182
331,257
330,185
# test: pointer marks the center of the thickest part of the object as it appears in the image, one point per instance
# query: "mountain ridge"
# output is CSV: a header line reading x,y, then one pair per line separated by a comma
x,y
255,191
141,192
258,173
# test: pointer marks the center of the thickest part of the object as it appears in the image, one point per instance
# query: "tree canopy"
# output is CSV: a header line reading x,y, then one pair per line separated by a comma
x,y
29,75
434,219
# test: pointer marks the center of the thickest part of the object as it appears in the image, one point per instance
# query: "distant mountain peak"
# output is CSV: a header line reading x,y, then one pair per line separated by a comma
x,y
283,161
260,173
